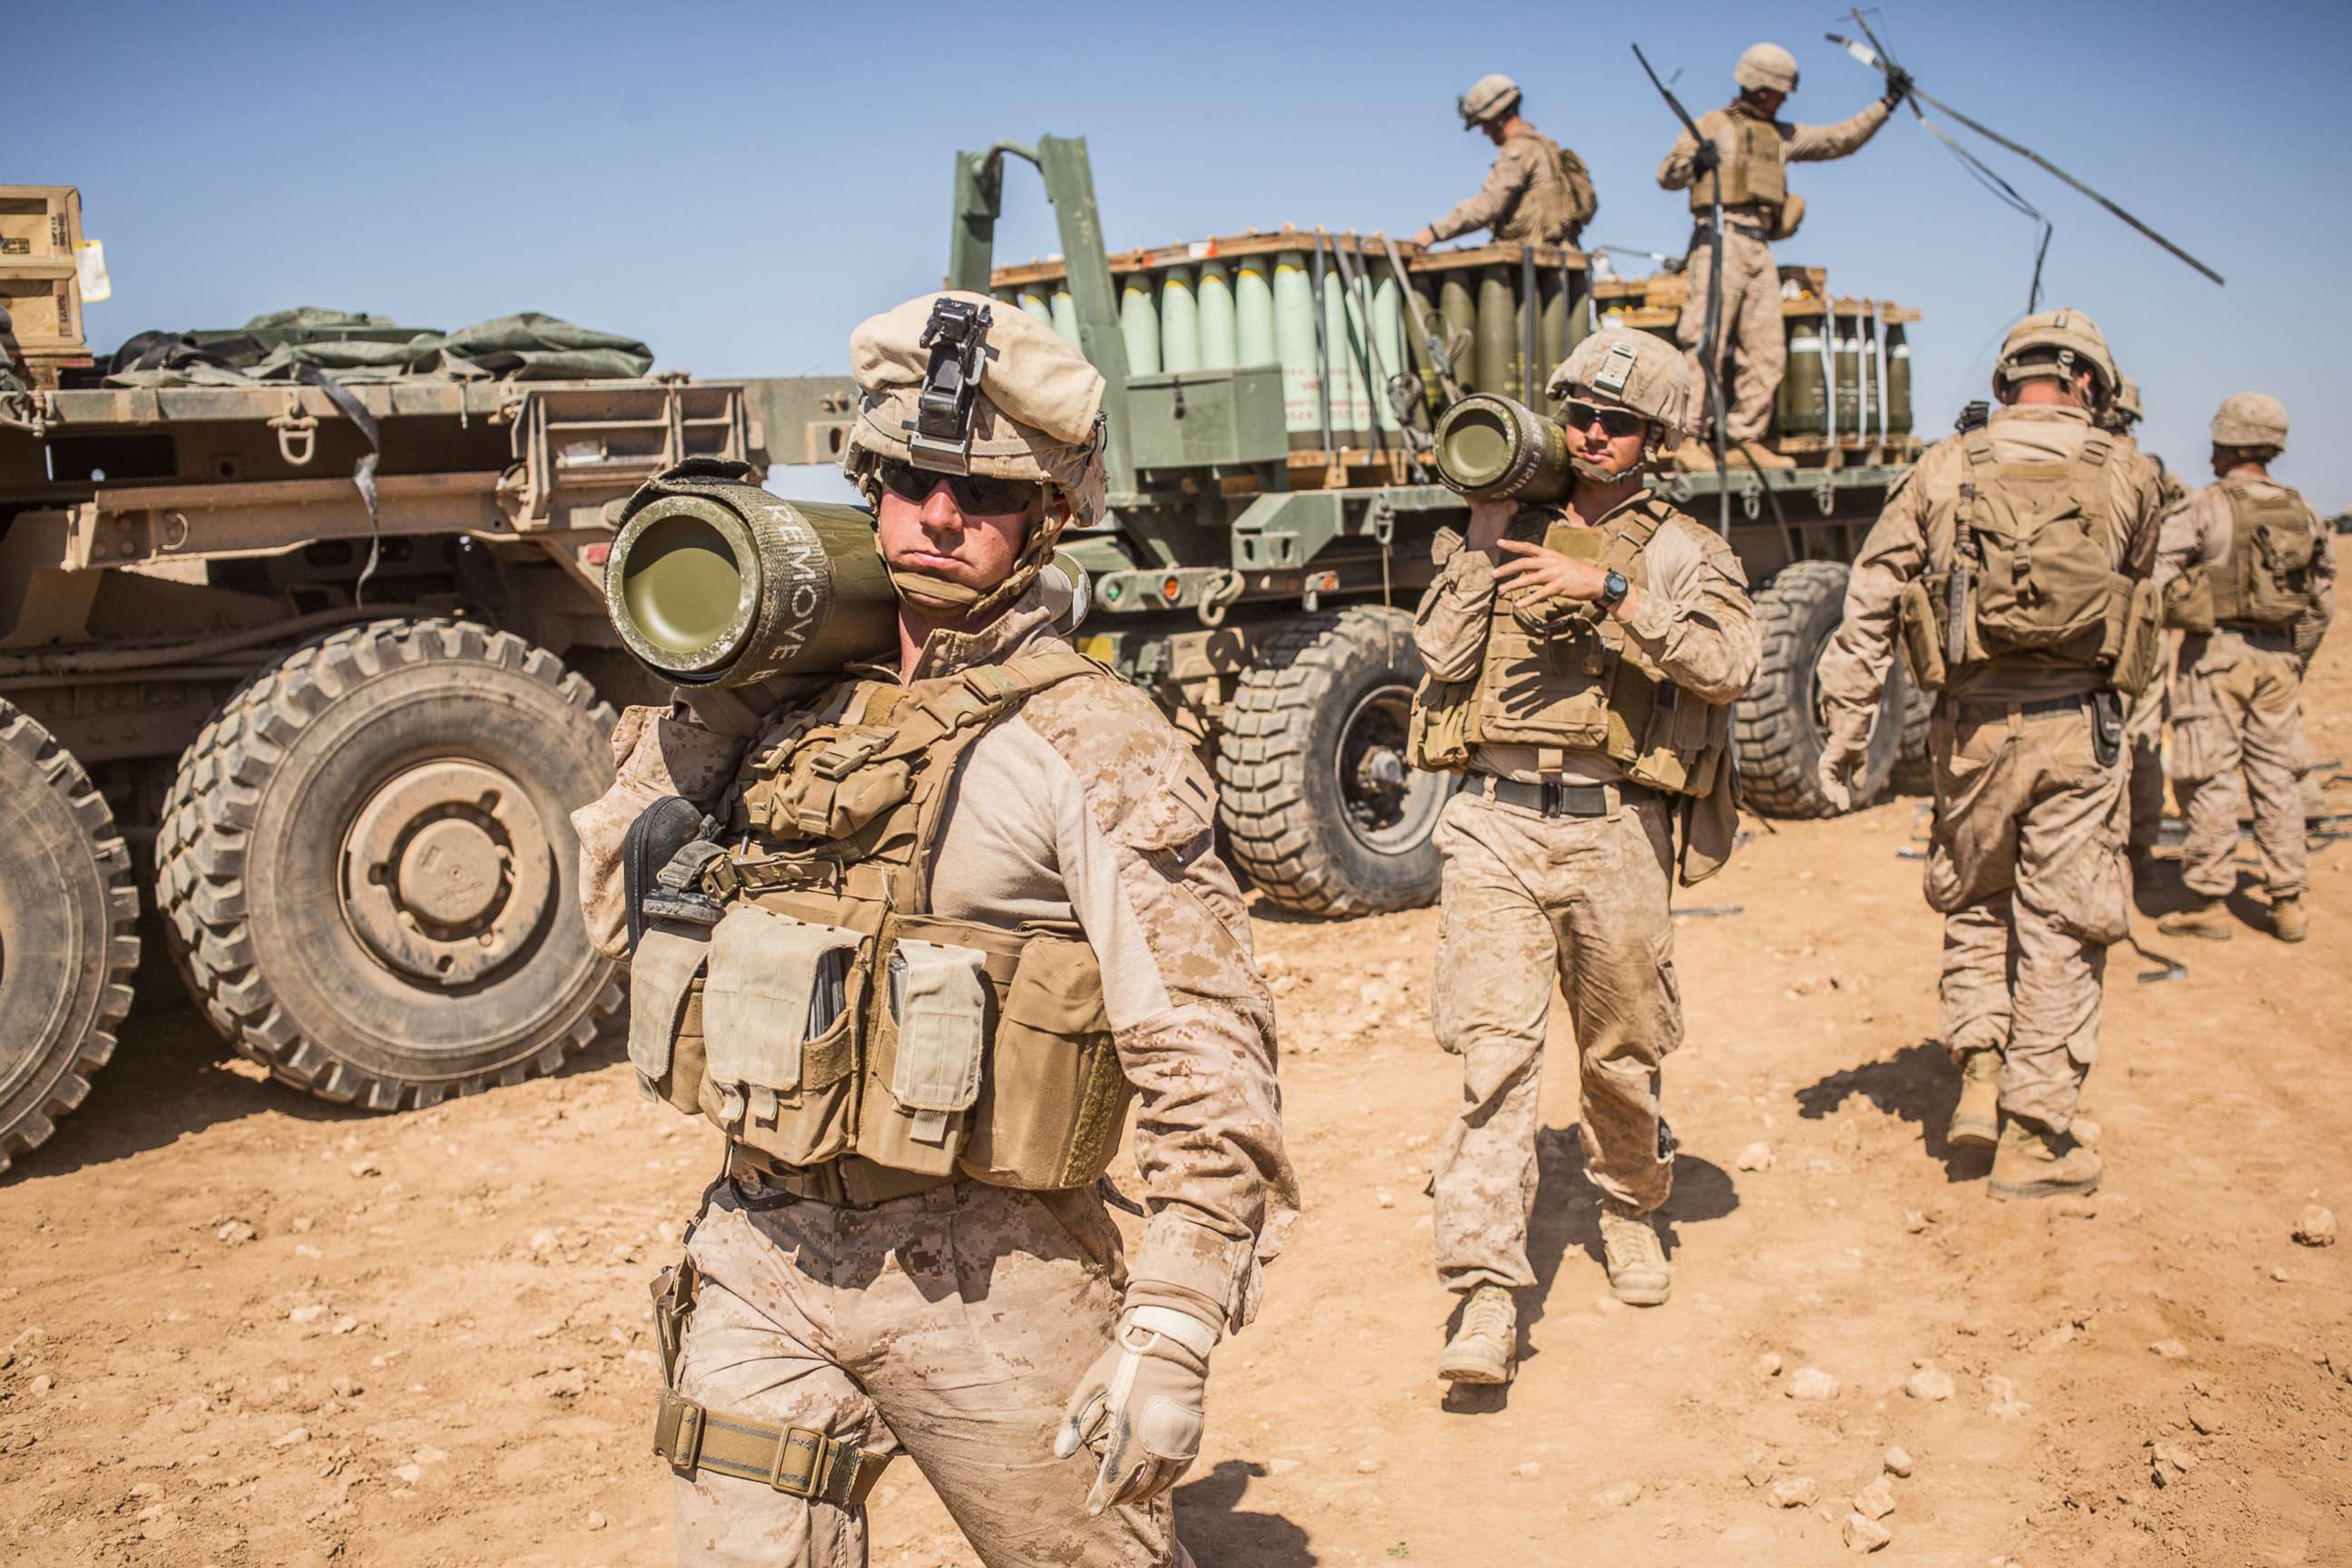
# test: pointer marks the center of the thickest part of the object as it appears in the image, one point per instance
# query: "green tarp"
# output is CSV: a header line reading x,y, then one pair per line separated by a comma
x,y
351,346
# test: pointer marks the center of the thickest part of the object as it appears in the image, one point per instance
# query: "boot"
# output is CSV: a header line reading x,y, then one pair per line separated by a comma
x,y
1976,1119
2030,1164
2288,920
1487,1344
2206,918
1636,1260
1757,455
1694,456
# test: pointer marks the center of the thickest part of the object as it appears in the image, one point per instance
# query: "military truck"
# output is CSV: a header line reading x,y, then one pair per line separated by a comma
x,y
321,662
1271,398
323,665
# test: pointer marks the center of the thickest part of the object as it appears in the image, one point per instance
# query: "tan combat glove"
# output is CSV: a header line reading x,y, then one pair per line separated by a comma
x,y
1139,1406
1844,759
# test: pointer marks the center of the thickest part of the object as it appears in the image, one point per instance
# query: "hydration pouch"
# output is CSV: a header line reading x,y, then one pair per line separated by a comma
x,y
938,1003
780,1018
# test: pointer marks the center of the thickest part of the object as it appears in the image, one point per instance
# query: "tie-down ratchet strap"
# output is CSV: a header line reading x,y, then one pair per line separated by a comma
x,y
798,1461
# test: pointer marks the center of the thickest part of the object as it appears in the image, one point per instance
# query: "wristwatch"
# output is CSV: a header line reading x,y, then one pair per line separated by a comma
x,y
1613,589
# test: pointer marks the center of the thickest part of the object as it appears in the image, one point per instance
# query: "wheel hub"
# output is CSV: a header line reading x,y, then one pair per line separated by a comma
x,y
446,871
1389,806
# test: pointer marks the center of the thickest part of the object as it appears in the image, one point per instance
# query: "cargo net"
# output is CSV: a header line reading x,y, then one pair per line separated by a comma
x,y
1375,338
348,346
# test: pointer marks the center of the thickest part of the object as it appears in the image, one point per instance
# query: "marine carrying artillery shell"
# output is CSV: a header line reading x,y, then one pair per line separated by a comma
x,y
717,583
1493,448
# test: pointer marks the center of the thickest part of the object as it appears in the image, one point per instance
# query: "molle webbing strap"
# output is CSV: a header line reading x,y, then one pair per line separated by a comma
x,y
989,692
798,1461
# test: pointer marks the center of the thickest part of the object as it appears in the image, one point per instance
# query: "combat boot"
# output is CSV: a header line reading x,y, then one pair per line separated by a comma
x,y
1636,1260
2288,920
1757,455
2206,918
2035,1164
1693,457
1976,1119
1487,1344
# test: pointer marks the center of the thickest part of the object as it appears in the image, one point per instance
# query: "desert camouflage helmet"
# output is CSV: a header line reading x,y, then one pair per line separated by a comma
x,y
1028,406
2055,344
1643,372
2251,419
1766,65
1490,98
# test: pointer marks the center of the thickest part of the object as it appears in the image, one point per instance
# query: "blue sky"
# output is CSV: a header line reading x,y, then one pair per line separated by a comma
x,y
739,185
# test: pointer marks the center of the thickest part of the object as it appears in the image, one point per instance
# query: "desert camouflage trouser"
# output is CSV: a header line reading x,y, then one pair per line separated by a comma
x,y
1528,901
1752,329
2144,746
2027,866
2238,709
950,1327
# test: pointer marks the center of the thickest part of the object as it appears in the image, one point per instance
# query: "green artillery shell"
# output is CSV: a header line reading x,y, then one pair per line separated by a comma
x,y
1493,448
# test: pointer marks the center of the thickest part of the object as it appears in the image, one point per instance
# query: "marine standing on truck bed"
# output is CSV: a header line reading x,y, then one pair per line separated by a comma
x,y
972,896
2249,575
1537,190
1582,661
2014,565
1747,151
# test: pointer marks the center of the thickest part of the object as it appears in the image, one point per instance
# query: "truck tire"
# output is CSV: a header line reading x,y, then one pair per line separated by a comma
x,y
1778,725
1318,805
68,932
368,860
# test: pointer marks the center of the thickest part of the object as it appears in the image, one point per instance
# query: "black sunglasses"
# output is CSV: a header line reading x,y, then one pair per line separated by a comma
x,y
974,496
1617,423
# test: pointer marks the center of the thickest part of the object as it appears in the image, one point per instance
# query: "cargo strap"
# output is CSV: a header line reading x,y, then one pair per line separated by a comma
x,y
798,1461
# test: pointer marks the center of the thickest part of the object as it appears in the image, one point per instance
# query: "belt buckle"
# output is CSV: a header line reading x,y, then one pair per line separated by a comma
x,y
677,1432
808,1480
1555,797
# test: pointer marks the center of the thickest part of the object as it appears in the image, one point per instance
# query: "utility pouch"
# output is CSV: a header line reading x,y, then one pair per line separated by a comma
x,y
2107,727
1437,737
938,1005
828,783
780,1012
1923,641
1054,1099
2139,641
2189,601
666,1012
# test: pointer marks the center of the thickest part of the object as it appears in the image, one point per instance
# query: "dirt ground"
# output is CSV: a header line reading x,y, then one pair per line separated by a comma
x,y
243,1328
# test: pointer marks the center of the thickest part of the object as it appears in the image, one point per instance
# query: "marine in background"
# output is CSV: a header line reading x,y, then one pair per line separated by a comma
x,y
2144,725
1537,190
1747,151
2248,570
951,912
2012,568
1582,657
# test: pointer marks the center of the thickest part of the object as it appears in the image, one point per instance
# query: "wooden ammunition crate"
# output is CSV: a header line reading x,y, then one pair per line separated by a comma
x,y
39,223
42,299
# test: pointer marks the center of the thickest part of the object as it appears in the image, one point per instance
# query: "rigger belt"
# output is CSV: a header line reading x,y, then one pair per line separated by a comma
x,y
1555,797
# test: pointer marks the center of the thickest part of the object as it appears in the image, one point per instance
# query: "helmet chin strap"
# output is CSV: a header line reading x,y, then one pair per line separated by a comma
x,y
941,597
